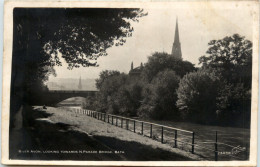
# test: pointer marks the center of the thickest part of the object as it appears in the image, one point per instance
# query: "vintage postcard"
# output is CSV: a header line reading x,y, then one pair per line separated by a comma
x,y
130,83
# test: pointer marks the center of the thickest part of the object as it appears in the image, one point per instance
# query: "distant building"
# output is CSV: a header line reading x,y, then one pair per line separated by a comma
x,y
136,71
176,52
80,85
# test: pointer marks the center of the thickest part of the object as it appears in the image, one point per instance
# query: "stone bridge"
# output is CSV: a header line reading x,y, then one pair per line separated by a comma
x,y
53,97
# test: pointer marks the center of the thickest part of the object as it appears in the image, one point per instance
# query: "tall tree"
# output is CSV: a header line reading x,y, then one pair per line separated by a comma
x,y
44,36
197,95
160,97
231,57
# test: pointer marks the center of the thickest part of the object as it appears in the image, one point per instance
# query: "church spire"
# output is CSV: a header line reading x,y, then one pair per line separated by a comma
x,y
176,47
80,85
176,37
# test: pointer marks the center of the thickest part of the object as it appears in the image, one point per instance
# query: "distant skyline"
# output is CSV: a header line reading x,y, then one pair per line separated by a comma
x,y
198,24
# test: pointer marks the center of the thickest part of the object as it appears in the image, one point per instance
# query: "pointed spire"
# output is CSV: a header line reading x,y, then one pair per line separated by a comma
x,y
176,37
132,66
141,65
80,85
176,47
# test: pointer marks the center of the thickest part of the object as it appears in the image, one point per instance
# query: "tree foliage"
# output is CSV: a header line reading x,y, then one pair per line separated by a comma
x,y
104,75
161,61
234,105
197,95
160,97
220,92
118,93
44,36
232,57
81,35
152,95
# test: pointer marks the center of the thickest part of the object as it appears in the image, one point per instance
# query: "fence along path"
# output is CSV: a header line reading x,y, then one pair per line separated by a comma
x,y
178,138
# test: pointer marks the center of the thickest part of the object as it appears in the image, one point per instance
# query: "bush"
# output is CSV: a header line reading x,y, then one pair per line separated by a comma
x,y
197,94
160,97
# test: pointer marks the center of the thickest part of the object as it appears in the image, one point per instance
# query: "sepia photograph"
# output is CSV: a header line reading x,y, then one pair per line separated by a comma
x,y
127,83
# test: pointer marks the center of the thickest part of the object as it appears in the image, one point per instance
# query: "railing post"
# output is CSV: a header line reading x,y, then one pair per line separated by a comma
x,y
112,120
142,129
127,124
151,131
216,151
116,121
104,117
121,122
175,139
192,146
216,147
134,126
108,118
162,135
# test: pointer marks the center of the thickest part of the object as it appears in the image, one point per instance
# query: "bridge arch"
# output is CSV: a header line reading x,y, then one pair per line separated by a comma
x,y
55,96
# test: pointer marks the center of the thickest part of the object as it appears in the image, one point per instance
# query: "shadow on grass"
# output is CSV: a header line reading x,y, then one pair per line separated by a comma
x,y
42,139
134,151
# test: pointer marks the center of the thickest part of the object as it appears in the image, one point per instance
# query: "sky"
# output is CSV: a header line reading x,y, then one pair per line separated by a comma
x,y
198,24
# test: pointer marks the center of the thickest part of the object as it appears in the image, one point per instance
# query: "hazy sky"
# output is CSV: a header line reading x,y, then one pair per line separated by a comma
x,y
198,24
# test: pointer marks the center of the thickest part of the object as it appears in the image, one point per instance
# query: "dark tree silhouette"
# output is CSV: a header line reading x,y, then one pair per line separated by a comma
x,y
161,61
44,36
231,57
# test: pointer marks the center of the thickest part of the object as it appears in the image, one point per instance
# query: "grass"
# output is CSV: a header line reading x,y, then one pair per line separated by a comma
x,y
57,129
205,137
